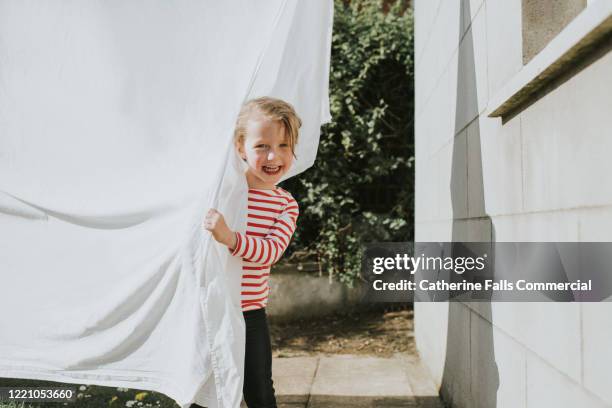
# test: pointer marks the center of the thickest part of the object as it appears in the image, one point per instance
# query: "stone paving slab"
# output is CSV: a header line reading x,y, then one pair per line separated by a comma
x,y
420,381
355,376
293,378
353,381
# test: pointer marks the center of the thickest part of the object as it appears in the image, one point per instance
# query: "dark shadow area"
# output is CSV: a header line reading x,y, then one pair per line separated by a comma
x,y
470,377
382,333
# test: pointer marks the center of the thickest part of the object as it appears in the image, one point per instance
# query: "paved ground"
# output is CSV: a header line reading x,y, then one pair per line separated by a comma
x,y
353,381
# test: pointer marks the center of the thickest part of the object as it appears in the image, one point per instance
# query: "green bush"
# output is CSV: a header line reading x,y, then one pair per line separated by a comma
x,y
361,186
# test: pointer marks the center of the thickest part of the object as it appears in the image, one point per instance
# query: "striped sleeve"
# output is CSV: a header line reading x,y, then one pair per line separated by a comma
x,y
268,250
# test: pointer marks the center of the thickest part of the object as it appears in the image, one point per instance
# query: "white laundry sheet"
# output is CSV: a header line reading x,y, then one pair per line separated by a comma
x,y
116,121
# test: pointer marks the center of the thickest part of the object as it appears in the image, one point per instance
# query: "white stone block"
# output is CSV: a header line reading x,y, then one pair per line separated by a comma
x,y
438,49
547,387
440,112
511,365
501,165
421,130
595,224
498,367
558,226
472,82
475,185
469,10
483,309
467,230
434,231
566,142
426,189
421,211
472,230
475,6
425,14
483,367
456,390
452,179
597,353
505,44
550,330
479,39
431,326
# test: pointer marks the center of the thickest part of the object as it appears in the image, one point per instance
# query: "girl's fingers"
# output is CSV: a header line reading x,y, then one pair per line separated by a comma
x,y
208,223
211,218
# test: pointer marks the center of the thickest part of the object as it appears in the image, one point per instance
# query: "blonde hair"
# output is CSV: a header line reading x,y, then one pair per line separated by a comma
x,y
271,109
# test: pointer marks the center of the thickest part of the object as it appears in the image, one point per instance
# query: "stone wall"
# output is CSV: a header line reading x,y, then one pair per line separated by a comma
x,y
303,294
540,174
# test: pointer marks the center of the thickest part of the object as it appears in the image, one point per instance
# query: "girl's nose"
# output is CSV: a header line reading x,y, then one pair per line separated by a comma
x,y
271,155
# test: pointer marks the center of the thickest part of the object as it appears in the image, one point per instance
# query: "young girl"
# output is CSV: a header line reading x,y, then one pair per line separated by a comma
x,y
265,137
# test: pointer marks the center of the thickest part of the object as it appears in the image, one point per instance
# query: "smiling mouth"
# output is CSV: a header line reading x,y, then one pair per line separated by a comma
x,y
271,170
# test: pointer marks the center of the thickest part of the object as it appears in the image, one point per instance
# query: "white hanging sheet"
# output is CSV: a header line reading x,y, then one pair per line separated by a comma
x,y
116,121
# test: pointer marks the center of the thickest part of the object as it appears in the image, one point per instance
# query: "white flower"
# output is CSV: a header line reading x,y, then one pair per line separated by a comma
x,y
129,404
82,388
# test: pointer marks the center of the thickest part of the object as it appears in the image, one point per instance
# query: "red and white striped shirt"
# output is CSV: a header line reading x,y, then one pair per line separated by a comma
x,y
271,221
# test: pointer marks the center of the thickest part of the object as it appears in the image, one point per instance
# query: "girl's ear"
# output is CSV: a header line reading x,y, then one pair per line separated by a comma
x,y
240,149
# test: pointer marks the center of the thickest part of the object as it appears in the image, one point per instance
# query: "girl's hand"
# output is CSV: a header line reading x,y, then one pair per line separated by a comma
x,y
215,223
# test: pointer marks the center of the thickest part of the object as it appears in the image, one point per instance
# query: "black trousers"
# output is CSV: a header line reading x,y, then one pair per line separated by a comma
x,y
258,389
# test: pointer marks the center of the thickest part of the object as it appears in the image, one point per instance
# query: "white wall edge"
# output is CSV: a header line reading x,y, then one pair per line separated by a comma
x,y
596,14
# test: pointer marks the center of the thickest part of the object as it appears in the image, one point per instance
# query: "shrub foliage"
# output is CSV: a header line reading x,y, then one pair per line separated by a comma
x,y
360,188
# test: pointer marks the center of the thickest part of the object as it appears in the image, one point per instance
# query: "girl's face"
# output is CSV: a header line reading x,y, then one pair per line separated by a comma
x,y
267,153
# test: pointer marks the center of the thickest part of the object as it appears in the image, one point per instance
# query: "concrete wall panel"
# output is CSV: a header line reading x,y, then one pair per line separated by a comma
x,y
510,358
567,141
540,176
504,39
431,327
546,387
550,330
501,164
596,337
